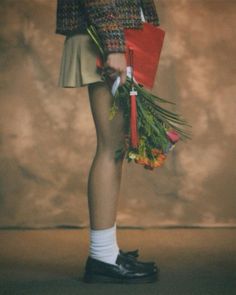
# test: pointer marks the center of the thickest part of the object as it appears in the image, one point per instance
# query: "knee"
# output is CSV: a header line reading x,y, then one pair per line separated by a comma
x,y
114,149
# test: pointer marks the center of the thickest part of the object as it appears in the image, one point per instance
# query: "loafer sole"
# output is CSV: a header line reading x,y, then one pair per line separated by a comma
x,y
95,278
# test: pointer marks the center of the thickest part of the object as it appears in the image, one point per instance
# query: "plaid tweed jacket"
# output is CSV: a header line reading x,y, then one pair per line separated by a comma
x,y
109,17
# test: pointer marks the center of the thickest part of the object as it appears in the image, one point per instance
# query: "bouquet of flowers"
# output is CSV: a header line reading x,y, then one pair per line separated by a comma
x,y
151,130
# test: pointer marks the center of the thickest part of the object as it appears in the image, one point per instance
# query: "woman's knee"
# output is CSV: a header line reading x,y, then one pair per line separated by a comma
x,y
111,143
110,132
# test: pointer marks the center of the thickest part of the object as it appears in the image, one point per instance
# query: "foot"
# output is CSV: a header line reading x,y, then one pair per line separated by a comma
x,y
124,271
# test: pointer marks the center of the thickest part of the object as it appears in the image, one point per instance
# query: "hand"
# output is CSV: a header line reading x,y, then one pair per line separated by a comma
x,y
116,65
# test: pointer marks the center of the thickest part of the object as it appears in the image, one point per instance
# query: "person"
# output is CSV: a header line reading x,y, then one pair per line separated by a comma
x,y
106,262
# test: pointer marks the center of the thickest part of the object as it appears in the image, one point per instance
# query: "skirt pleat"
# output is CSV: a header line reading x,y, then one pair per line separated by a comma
x,y
78,62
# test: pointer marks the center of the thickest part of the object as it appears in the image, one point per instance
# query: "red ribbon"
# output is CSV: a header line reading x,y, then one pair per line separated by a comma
x,y
133,120
133,105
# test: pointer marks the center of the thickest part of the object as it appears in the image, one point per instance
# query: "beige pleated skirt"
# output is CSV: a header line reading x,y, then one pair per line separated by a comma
x,y
78,62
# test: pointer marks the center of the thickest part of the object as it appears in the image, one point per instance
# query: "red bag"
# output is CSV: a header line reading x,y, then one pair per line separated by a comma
x,y
146,44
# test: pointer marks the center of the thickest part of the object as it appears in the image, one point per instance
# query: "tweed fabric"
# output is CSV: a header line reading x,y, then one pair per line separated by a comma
x,y
109,17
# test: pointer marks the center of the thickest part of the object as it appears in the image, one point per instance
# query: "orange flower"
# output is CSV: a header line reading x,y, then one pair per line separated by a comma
x,y
161,160
140,160
150,164
161,157
155,152
146,161
156,164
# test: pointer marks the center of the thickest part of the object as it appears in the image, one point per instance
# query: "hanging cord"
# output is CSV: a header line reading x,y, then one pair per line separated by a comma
x,y
133,106
131,64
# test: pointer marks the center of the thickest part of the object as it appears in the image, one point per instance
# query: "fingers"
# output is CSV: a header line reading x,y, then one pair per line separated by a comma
x,y
123,76
116,64
113,74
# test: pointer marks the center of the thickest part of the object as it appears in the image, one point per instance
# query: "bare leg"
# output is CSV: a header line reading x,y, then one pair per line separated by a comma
x,y
105,173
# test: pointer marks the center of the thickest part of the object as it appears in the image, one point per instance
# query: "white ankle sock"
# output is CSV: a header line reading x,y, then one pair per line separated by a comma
x,y
103,244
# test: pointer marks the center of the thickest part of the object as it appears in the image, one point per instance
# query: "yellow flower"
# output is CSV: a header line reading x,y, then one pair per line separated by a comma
x,y
132,155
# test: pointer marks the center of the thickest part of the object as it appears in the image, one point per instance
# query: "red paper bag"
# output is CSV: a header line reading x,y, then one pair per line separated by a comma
x,y
146,44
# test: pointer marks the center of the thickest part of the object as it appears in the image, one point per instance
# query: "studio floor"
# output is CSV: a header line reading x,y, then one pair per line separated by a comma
x,y
191,261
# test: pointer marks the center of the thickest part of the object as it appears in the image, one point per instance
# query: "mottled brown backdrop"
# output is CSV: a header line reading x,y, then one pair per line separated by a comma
x,y
47,135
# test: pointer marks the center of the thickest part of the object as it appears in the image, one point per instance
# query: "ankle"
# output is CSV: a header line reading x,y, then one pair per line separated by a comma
x,y
103,244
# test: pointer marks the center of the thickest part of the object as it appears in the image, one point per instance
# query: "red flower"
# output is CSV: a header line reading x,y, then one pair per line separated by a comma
x,y
173,136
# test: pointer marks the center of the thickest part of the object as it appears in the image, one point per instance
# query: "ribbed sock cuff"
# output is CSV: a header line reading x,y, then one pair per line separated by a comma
x,y
103,244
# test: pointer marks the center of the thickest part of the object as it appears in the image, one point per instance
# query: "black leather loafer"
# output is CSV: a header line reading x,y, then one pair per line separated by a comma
x,y
132,255
125,271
